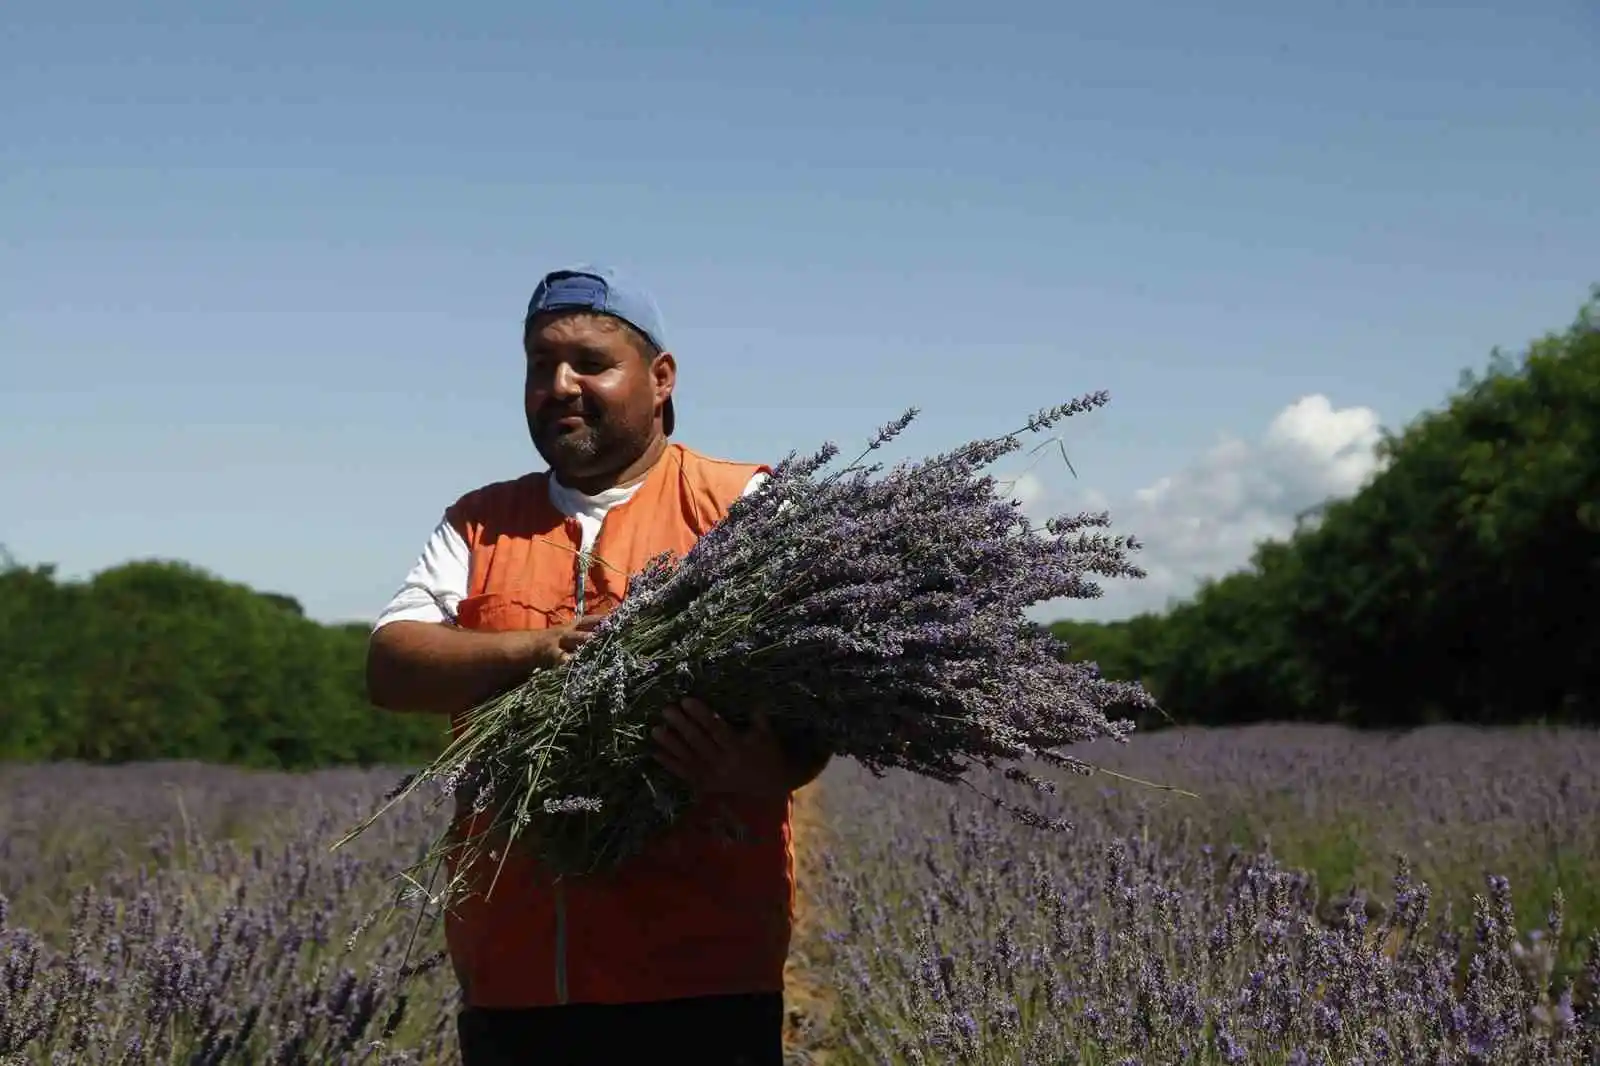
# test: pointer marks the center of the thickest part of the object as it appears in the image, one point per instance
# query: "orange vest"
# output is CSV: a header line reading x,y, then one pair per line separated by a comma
x,y
697,913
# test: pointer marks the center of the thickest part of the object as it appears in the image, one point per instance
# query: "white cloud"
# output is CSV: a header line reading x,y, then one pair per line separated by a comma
x,y
1206,519
1026,489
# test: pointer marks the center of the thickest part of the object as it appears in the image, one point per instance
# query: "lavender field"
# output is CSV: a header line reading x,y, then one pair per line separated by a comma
x,y
176,913
1146,936
181,913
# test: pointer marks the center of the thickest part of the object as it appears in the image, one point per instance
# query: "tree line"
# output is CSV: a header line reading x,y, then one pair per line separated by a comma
x,y
1462,583
160,660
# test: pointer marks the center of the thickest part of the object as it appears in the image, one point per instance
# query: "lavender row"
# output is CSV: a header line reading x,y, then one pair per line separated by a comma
x,y
189,914
1171,930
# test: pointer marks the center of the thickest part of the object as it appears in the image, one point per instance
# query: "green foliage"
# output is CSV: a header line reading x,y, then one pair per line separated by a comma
x,y
158,660
1462,583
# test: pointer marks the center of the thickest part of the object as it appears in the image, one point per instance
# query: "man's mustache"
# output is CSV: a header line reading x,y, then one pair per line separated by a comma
x,y
547,415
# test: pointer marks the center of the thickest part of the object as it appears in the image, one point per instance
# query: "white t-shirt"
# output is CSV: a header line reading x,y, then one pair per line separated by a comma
x,y
440,573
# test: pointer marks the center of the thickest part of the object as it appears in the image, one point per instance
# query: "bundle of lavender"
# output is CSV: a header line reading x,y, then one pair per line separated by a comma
x,y
880,614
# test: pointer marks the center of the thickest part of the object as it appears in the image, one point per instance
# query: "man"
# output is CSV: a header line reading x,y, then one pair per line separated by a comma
x,y
680,952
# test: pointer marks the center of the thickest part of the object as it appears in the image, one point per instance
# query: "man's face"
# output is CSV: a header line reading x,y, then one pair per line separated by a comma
x,y
591,393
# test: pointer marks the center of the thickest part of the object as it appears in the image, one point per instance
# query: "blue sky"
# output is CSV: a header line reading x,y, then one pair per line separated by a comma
x,y
261,274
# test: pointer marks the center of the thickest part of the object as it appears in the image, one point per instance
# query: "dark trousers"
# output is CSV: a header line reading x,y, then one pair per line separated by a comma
x,y
707,1031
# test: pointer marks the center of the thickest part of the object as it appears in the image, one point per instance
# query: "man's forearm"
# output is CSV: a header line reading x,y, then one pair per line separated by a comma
x,y
423,667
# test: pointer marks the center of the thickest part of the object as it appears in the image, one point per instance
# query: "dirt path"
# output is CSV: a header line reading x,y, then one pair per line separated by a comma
x,y
808,995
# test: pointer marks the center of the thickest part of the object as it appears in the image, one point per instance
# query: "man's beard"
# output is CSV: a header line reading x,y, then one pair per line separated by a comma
x,y
587,450
573,448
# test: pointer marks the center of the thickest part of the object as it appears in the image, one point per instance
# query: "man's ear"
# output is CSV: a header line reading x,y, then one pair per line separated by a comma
x,y
663,376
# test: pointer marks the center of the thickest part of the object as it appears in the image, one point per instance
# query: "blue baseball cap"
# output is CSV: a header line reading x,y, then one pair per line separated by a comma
x,y
602,290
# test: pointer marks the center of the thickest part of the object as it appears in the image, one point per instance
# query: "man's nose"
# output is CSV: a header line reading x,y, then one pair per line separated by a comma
x,y
565,380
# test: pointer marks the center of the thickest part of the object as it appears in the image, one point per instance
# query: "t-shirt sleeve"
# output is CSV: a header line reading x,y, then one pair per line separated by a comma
x,y
437,581
756,482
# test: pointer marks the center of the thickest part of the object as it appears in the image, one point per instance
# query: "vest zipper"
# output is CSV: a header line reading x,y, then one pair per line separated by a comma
x,y
582,582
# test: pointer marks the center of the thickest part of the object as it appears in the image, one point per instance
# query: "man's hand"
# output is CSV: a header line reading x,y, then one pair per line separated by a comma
x,y
705,751
549,648
424,666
